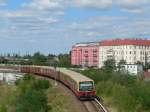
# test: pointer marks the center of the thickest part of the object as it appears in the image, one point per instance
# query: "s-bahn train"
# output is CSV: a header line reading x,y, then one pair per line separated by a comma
x,y
82,86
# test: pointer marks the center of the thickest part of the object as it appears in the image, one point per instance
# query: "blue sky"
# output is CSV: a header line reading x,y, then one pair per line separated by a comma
x,y
53,26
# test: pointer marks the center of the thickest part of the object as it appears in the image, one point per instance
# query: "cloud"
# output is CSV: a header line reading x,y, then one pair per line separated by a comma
x,y
134,6
110,26
134,3
44,7
45,4
98,4
2,2
10,14
25,24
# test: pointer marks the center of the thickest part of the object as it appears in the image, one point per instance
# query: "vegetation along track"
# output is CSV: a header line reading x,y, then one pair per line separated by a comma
x,y
94,106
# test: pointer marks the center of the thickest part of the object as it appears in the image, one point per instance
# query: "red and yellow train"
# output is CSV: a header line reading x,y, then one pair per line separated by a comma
x,y
82,86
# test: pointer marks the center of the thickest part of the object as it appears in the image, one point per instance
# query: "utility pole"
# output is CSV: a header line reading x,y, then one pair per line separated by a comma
x,y
55,67
55,64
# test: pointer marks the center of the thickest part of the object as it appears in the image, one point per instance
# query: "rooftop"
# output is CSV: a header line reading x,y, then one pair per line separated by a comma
x,y
116,42
83,44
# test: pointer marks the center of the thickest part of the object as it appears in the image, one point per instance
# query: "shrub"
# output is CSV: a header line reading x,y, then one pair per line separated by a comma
x,y
41,84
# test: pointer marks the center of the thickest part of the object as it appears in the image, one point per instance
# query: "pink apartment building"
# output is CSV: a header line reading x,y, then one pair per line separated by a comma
x,y
85,54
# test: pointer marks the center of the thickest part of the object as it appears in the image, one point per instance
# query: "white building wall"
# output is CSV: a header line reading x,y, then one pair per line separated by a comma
x,y
133,69
10,77
131,53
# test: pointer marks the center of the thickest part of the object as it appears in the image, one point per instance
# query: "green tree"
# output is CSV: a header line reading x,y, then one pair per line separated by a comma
x,y
32,101
122,62
147,66
40,84
64,60
3,108
139,62
39,59
110,64
31,95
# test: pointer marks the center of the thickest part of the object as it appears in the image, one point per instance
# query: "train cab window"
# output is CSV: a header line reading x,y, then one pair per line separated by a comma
x,y
86,86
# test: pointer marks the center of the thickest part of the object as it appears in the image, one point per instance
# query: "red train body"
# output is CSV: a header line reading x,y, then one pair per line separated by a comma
x,y
82,86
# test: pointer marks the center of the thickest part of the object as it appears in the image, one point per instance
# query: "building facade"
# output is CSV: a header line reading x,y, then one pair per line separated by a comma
x,y
85,54
133,51
133,69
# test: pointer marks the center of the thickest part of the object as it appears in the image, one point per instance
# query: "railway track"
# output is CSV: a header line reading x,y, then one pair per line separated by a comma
x,y
94,106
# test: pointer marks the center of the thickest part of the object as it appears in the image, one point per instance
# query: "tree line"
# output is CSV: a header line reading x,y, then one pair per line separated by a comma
x,y
61,60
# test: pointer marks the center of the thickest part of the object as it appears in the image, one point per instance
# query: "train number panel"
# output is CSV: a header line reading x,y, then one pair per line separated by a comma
x,y
86,90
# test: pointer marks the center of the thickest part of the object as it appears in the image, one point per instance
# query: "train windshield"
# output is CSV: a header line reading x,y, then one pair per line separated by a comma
x,y
86,86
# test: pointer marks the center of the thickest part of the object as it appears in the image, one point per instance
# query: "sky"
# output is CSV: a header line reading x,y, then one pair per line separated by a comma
x,y
53,26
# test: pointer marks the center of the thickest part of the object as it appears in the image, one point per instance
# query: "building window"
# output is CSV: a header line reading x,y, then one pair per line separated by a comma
x,y
130,52
95,51
134,47
86,56
94,61
94,55
134,52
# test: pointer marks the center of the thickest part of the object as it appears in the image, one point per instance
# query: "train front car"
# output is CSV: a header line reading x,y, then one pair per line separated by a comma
x,y
86,90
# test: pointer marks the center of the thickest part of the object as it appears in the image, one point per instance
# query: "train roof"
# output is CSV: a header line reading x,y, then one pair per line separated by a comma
x,y
74,75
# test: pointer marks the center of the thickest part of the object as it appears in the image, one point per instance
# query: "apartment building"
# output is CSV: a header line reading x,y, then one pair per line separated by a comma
x,y
85,54
95,54
130,50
